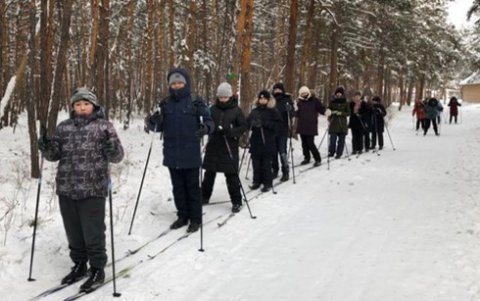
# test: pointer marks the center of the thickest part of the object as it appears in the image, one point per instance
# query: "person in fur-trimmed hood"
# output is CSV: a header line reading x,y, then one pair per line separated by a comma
x,y
264,121
307,123
84,145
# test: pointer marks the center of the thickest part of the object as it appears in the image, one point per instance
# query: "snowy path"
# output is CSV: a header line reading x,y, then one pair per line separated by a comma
x,y
401,226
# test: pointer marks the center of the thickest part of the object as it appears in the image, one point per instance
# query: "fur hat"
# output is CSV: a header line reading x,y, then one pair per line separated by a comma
x,y
340,89
304,90
224,90
264,93
83,93
278,86
176,77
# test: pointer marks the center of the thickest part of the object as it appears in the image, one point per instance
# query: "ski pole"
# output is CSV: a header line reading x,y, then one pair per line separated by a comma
x,y
248,167
230,154
290,126
390,137
43,132
321,141
141,185
346,150
245,149
115,293
201,196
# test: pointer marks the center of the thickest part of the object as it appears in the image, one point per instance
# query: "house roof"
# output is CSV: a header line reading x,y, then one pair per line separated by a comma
x,y
473,79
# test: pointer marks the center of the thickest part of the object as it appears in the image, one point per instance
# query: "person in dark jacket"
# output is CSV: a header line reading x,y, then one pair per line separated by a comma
x,y
358,110
84,145
431,109
264,121
419,110
184,119
378,122
284,105
307,124
453,104
221,154
367,120
337,113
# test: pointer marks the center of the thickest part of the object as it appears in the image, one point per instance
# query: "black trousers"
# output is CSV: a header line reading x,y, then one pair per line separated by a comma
x,y
427,125
308,146
262,169
357,140
337,144
281,143
233,186
84,222
420,122
186,193
366,139
374,139
453,117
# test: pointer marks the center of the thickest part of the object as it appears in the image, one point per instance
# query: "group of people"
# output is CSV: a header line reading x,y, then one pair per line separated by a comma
x,y
86,143
429,111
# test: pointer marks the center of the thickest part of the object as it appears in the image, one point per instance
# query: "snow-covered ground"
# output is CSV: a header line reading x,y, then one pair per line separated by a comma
x,y
404,225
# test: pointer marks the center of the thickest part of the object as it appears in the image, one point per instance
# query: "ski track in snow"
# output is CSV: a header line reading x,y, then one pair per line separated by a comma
x,y
404,225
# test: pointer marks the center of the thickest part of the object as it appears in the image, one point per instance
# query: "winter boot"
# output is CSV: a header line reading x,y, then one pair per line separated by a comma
x,y
96,279
180,222
193,227
236,208
266,188
274,174
306,161
205,200
284,177
317,163
79,270
254,186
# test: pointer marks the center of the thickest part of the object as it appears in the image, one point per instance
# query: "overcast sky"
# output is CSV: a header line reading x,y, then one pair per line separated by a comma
x,y
457,13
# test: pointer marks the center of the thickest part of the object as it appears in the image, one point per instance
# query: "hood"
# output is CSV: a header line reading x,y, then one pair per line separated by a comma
x,y
185,90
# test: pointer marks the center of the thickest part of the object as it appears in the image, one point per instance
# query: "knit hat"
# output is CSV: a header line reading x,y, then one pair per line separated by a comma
x,y
224,90
304,90
264,93
83,94
176,77
340,89
278,86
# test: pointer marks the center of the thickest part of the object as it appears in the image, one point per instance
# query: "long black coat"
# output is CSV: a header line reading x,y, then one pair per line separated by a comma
x,y
378,114
262,139
357,120
307,116
217,155
284,106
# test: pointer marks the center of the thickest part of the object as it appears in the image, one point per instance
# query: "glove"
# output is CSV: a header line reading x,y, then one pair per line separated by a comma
x,y
155,119
223,131
43,142
328,112
202,130
109,146
256,123
338,113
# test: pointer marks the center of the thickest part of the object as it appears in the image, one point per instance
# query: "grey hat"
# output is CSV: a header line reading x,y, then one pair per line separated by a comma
x,y
224,90
176,77
83,94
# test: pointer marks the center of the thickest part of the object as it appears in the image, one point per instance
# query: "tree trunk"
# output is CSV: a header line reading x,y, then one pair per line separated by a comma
x,y
380,73
46,37
307,43
333,61
149,55
246,93
61,65
171,33
2,44
292,40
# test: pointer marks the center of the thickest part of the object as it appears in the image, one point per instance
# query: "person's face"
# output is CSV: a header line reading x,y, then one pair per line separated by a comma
x,y
177,85
223,99
304,95
357,98
262,100
338,95
277,91
83,108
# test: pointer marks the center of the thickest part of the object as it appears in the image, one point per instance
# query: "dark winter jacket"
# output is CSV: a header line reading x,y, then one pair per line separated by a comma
x,y
378,114
182,114
262,139
217,155
83,164
454,104
284,105
431,108
338,119
367,115
419,110
307,115
356,122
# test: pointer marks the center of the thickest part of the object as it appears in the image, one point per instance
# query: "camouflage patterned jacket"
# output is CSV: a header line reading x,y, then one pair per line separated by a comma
x,y
78,145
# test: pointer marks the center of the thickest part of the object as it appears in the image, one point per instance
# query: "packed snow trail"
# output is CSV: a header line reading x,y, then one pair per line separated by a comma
x,y
400,226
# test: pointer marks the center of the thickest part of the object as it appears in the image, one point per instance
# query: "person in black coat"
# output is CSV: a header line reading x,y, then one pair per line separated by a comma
x,y
367,121
378,122
307,124
358,111
184,119
221,153
284,105
264,121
